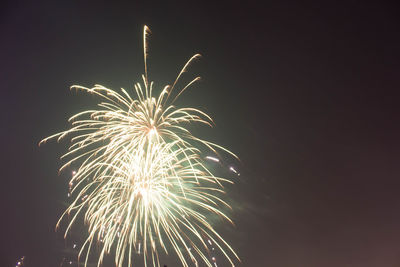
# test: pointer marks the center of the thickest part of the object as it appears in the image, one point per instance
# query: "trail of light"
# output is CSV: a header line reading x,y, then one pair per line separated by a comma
x,y
212,158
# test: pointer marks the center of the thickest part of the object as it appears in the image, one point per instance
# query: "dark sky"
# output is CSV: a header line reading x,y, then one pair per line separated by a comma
x,y
306,94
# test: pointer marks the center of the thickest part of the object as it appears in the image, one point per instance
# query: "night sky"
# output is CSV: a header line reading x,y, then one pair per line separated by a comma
x,y
305,94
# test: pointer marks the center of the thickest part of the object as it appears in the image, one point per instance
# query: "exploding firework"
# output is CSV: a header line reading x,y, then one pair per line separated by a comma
x,y
142,185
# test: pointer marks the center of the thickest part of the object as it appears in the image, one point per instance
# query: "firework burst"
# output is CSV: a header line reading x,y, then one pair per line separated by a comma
x,y
141,184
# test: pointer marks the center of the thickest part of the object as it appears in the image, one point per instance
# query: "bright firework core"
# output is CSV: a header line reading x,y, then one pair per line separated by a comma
x,y
142,184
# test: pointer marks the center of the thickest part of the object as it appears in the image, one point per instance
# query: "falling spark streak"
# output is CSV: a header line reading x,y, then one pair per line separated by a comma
x,y
233,169
212,158
142,185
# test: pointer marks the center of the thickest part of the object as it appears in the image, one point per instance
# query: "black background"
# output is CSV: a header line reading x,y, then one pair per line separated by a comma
x,y
306,94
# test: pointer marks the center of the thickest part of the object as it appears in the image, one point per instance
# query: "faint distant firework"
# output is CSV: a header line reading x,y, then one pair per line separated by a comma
x,y
20,262
142,184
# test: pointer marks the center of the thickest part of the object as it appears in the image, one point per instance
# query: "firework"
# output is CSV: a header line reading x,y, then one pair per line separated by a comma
x,y
142,185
